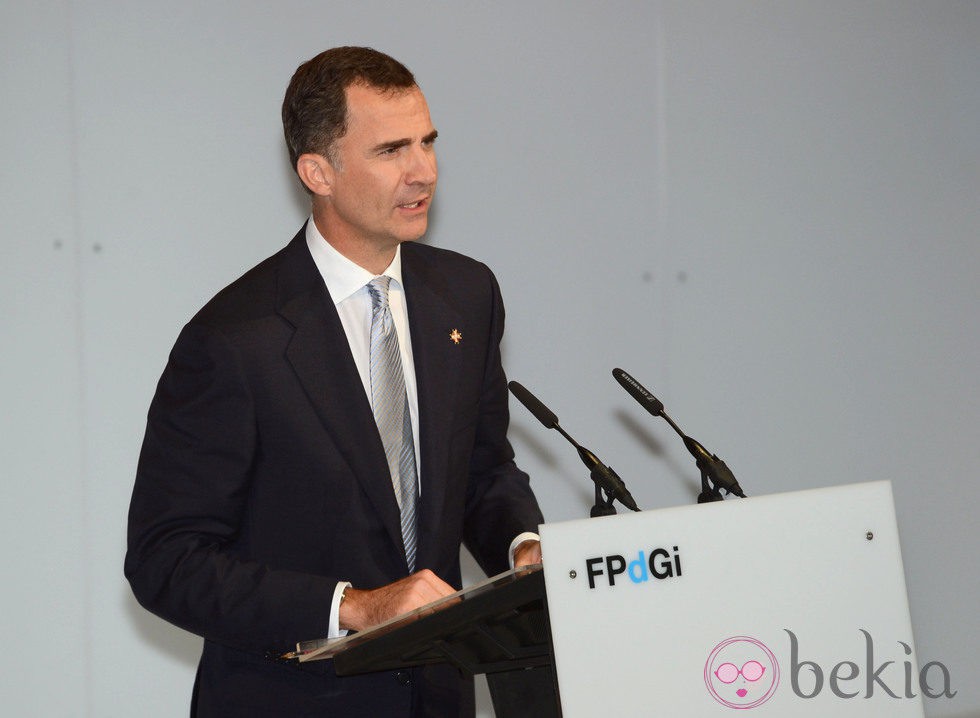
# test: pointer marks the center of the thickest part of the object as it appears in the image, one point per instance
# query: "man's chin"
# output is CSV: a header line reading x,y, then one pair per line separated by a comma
x,y
415,235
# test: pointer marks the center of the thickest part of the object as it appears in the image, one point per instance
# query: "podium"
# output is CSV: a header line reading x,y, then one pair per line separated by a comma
x,y
791,604
498,627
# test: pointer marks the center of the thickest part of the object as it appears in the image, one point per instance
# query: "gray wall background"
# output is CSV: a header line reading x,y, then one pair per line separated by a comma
x,y
766,211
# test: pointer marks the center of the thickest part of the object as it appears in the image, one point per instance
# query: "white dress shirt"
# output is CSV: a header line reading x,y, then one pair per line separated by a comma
x,y
347,283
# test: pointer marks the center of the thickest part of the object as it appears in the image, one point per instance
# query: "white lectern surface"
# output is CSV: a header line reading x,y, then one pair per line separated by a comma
x,y
785,605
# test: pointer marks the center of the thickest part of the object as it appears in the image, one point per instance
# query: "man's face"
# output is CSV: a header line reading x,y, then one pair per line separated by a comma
x,y
385,173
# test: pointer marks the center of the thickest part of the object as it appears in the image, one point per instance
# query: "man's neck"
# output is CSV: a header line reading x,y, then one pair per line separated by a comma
x,y
373,259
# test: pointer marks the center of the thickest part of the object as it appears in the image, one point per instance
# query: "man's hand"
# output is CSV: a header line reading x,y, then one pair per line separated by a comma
x,y
362,609
526,553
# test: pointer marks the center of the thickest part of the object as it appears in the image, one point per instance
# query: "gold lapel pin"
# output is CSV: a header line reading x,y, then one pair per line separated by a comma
x,y
456,336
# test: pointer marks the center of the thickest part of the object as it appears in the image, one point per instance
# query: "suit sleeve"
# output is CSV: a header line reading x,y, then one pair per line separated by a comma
x,y
188,511
500,504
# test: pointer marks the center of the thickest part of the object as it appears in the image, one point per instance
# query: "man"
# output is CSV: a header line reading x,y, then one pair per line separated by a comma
x,y
331,426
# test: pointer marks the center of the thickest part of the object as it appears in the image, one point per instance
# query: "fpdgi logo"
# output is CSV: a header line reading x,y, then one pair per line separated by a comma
x,y
741,672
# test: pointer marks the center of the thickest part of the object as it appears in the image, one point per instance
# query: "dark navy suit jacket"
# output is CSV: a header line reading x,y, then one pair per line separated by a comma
x,y
262,481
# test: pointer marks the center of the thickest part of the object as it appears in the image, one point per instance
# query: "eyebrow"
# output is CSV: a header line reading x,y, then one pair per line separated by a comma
x,y
396,144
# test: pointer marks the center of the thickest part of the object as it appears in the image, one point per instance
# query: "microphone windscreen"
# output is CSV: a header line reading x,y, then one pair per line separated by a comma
x,y
540,411
635,389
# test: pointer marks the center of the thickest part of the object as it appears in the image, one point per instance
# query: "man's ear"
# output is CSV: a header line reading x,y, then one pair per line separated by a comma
x,y
316,173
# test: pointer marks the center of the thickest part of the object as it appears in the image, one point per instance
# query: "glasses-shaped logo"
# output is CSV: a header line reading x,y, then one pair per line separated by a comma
x,y
750,671
747,686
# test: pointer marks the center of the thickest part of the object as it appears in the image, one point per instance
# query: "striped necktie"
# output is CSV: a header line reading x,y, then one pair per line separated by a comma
x,y
390,404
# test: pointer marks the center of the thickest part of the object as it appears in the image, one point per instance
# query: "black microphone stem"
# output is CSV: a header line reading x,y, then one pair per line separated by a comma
x,y
673,425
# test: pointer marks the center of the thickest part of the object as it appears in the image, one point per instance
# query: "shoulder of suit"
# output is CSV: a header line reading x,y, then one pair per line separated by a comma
x,y
254,294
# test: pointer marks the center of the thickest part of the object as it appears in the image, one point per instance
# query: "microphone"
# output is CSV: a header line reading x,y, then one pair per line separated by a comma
x,y
542,413
635,389
604,477
709,463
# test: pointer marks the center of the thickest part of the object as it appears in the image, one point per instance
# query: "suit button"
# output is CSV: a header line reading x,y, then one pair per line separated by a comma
x,y
403,678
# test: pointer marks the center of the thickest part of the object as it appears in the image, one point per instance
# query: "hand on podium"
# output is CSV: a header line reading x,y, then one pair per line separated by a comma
x,y
527,553
361,609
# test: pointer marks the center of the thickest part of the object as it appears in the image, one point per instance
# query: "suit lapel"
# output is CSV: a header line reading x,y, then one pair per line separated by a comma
x,y
431,318
321,357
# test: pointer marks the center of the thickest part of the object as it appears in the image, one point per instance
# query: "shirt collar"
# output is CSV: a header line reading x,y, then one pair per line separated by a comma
x,y
342,276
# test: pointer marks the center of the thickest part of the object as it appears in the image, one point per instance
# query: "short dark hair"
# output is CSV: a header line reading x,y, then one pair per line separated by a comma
x,y
314,110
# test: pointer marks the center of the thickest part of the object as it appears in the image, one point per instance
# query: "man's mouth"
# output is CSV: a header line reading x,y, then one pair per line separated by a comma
x,y
413,205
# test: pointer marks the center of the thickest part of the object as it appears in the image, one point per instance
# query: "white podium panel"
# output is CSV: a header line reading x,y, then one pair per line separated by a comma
x,y
785,605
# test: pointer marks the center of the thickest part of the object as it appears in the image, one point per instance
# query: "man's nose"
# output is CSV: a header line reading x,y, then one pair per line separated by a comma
x,y
422,167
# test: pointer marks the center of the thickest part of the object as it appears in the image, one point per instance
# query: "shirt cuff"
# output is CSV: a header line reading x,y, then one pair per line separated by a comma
x,y
521,538
335,631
